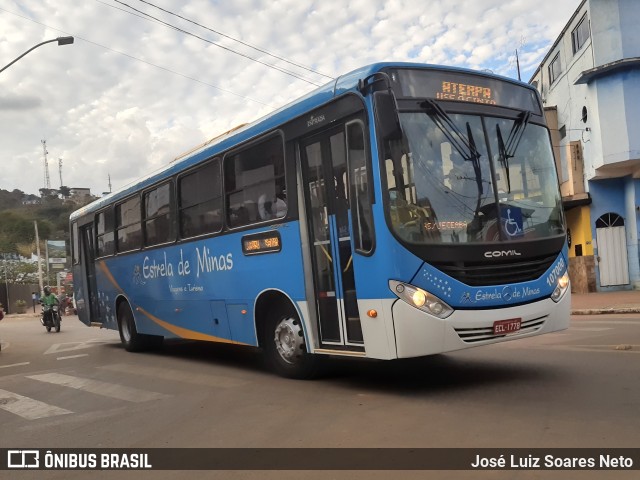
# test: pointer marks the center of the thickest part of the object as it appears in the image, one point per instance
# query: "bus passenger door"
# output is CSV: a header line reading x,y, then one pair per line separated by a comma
x,y
88,260
324,173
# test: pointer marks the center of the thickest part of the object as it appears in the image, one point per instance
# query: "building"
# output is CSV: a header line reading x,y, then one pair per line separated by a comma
x,y
80,196
589,82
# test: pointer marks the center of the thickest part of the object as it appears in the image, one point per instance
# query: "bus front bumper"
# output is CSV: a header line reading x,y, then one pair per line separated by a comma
x,y
419,333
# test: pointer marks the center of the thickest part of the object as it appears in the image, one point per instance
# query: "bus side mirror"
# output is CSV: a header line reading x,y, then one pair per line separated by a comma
x,y
387,119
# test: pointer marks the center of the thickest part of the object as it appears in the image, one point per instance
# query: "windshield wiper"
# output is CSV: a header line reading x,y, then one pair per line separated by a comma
x,y
465,145
508,150
504,157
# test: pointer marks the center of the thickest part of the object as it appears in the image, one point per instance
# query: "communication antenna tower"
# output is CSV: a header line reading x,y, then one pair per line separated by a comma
x,y
60,170
47,181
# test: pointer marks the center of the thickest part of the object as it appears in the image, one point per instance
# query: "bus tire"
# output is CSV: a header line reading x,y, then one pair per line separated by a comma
x,y
285,347
129,336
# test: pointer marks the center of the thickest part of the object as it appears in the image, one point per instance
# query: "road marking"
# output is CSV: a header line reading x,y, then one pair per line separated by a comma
x,y
15,365
99,388
28,408
69,346
73,356
175,375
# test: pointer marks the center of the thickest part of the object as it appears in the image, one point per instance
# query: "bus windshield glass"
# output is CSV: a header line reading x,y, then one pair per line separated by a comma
x,y
462,178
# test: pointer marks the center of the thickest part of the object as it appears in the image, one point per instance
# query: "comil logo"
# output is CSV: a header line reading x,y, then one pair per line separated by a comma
x,y
23,459
502,253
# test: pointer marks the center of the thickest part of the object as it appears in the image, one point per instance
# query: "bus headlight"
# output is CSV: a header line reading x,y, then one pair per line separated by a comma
x,y
420,299
561,287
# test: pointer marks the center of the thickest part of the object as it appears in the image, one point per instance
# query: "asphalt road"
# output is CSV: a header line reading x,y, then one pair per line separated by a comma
x,y
79,388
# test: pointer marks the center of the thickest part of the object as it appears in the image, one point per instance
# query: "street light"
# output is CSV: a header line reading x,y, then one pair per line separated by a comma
x,y
60,40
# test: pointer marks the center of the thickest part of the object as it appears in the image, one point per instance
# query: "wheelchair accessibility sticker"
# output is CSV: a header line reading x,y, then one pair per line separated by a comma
x,y
512,221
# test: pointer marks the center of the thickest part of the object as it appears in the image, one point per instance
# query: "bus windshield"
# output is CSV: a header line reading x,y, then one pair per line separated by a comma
x,y
462,178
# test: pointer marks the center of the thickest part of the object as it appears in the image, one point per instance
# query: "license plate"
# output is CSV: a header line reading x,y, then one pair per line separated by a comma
x,y
503,327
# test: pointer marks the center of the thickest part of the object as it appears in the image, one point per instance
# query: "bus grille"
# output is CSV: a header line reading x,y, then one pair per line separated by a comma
x,y
477,274
472,335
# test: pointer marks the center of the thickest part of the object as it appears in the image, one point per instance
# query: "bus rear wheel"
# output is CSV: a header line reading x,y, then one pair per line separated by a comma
x,y
285,347
129,336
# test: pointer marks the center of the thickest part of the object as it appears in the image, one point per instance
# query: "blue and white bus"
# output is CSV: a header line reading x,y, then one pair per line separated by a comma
x,y
400,211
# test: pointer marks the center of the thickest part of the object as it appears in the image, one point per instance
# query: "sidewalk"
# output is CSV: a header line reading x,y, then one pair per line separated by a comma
x,y
627,301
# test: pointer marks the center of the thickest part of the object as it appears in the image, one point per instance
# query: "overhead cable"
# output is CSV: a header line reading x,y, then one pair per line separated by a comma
x,y
282,70
304,67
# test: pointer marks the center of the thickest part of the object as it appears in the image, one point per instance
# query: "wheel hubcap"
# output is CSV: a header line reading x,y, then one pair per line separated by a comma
x,y
289,341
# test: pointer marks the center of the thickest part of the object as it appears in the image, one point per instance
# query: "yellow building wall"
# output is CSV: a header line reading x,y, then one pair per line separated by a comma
x,y
578,222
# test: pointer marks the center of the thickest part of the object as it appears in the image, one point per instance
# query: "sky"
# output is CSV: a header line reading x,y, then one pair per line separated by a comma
x,y
140,85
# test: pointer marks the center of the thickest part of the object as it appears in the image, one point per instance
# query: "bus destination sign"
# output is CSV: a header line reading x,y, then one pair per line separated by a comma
x,y
465,93
264,242
468,87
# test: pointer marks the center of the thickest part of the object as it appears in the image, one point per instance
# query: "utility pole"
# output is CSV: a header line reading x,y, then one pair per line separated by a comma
x,y
6,283
47,181
60,170
46,260
39,263
109,183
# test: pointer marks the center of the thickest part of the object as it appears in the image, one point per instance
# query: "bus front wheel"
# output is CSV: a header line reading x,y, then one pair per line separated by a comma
x,y
285,347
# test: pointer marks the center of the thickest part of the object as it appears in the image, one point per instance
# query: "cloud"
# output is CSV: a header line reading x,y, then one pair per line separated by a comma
x,y
131,94
26,102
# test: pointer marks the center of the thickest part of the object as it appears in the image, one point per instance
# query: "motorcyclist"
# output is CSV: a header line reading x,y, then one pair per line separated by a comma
x,y
49,299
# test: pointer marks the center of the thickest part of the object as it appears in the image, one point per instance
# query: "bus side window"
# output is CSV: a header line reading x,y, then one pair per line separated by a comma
x,y
128,225
105,233
200,200
158,221
361,193
255,183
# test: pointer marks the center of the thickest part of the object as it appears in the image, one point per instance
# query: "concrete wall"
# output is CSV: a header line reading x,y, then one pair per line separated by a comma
x,y
579,222
619,103
614,27
17,292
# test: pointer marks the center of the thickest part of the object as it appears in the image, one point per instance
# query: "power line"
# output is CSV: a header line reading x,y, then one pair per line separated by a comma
x,y
304,67
282,70
141,60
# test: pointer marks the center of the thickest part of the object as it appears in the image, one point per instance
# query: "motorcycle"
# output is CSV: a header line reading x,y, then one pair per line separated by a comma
x,y
50,317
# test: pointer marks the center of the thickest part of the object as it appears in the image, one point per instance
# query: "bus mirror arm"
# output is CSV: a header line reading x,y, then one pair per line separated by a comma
x,y
387,119
386,106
